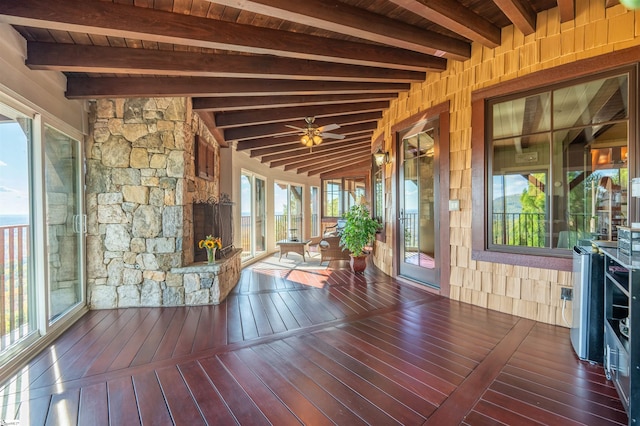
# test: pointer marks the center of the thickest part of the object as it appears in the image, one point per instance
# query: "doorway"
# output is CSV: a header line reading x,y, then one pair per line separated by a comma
x,y
418,204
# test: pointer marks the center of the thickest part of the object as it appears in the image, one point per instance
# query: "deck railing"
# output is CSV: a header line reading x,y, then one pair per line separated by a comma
x,y
14,295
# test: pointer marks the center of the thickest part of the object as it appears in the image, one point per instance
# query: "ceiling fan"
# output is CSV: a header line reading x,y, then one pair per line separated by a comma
x,y
312,134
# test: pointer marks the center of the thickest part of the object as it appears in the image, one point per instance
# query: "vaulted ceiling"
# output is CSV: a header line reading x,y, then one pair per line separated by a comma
x,y
253,67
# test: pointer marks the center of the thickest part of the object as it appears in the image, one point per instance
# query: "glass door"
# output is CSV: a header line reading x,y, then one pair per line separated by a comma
x,y
65,221
17,278
418,207
253,227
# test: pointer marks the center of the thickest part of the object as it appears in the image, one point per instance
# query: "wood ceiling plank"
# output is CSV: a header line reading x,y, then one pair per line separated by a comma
x,y
349,130
452,15
334,160
236,103
348,166
294,115
315,157
328,144
101,59
90,87
328,159
263,130
289,154
356,22
109,19
520,13
359,169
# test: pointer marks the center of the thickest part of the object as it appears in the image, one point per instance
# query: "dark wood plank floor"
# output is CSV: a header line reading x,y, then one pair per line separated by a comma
x,y
311,347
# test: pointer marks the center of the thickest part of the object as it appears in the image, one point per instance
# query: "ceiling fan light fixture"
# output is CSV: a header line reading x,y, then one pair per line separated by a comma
x,y
317,139
306,140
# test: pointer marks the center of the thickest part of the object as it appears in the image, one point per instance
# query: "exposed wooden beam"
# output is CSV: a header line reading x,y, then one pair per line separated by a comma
x,y
315,158
611,3
360,170
236,103
520,13
328,144
328,160
302,152
357,22
349,130
263,130
455,17
99,87
294,115
121,60
334,161
123,21
567,9
209,120
347,167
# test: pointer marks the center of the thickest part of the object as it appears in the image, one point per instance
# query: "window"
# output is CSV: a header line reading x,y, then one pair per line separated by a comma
x,y
557,166
253,215
378,193
287,204
340,194
315,211
332,190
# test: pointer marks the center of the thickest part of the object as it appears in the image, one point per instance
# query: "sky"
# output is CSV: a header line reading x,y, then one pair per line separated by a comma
x,y
14,178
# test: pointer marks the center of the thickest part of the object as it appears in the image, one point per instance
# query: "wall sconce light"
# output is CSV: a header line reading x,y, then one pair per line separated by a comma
x,y
381,157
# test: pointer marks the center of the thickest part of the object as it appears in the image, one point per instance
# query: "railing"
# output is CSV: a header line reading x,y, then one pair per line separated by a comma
x,y
282,228
14,295
410,223
530,230
245,235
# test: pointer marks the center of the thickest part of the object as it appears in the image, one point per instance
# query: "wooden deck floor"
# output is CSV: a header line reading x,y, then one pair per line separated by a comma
x,y
312,347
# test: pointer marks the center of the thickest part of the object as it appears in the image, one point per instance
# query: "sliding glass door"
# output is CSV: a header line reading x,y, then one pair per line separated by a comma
x,y
253,228
17,278
65,222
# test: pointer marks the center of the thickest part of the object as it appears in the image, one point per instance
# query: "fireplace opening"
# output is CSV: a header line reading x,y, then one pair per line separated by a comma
x,y
213,217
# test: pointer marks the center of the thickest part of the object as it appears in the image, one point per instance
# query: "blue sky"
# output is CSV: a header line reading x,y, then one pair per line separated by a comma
x,y
14,180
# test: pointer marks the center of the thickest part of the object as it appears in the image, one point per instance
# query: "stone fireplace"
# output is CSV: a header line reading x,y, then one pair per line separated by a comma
x,y
141,185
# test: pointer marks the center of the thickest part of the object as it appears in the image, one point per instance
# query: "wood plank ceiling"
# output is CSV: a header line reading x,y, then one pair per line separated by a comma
x,y
254,66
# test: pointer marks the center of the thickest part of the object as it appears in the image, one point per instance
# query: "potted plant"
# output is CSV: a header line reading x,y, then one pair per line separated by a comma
x,y
358,232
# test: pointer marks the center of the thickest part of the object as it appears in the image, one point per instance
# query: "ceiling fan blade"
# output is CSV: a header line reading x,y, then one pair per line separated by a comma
x,y
300,129
328,127
331,135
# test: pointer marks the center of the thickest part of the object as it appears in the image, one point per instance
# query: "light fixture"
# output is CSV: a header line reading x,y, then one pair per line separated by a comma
x,y
306,140
381,157
317,139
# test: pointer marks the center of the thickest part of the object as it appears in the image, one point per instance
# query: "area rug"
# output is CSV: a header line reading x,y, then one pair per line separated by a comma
x,y
292,261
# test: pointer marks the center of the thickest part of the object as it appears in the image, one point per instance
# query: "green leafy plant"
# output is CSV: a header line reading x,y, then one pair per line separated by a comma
x,y
359,229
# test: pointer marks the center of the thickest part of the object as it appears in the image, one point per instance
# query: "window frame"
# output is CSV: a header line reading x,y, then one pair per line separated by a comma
x,y
564,75
342,196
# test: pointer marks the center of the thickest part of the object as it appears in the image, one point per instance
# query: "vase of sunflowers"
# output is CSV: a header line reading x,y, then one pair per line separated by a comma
x,y
210,244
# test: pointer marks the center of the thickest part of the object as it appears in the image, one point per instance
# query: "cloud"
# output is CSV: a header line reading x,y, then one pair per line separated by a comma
x,y
2,163
5,189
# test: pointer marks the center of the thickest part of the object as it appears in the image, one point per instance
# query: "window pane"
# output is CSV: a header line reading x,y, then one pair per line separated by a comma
x,y
260,208
17,285
595,176
295,209
522,116
64,225
280,210
315,211
520,214
589,103
332,203
245,215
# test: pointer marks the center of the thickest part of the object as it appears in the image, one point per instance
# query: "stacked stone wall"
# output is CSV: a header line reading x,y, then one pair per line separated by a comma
x,y
140,183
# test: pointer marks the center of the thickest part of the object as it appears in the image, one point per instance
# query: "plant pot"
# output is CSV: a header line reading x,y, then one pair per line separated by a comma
x,y
358,263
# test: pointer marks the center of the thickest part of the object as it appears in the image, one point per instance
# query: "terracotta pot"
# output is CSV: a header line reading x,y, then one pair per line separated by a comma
x,y
358,263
